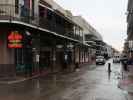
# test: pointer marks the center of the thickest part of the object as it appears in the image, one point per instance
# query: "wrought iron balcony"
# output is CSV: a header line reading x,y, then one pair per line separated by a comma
x,y
20,13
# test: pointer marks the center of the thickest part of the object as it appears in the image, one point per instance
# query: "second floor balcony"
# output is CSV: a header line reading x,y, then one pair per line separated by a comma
x,y
21,14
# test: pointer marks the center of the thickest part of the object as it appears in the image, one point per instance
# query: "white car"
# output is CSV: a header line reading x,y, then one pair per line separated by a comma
x,y
100,60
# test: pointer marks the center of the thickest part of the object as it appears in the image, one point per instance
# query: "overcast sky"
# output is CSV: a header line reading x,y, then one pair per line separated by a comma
x,y
106,16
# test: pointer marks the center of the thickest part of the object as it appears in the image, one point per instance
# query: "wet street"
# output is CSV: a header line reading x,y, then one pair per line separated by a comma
x,y
90,83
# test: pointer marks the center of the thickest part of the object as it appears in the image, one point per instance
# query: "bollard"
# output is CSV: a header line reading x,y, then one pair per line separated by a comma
x,y
109,67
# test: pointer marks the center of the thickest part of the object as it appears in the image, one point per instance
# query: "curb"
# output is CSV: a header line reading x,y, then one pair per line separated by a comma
x,y
19,80
24,79
35,76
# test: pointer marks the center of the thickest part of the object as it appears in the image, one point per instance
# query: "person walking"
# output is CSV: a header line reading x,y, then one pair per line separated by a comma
x,y
124,62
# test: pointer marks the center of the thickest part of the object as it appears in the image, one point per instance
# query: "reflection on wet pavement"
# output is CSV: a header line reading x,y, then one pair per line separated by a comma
x,y
94,84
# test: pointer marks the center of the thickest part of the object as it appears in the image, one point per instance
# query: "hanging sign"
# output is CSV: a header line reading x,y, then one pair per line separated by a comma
x,y
15,40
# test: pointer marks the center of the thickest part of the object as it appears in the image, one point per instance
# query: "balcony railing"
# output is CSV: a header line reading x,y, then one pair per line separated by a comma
x,y
22,14
17,13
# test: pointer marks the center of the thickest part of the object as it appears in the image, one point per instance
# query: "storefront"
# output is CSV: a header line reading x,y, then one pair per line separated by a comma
x,y
15,51
25,51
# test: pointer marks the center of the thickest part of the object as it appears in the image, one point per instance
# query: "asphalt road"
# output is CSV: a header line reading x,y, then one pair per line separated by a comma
x,y
89,83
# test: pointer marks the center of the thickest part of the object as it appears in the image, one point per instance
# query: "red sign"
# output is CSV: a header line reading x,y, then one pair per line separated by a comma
x,y
15,40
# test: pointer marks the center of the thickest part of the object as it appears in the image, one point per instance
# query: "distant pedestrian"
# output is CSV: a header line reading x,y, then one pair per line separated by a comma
x,y
130,61
109,67
130,64
124,62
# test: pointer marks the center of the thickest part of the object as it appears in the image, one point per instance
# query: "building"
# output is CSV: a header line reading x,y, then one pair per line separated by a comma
x,y
108,52
97,47
90,50
128,45
37,36
130,19
94,38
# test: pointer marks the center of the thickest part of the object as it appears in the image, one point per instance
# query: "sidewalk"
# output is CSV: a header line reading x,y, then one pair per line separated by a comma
x,y
126,81
18,79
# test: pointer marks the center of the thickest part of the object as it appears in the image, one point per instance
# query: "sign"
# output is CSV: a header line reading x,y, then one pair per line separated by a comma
x,y
15,40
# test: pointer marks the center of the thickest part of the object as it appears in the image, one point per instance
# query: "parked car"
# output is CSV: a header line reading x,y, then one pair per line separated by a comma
x,y
100,60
